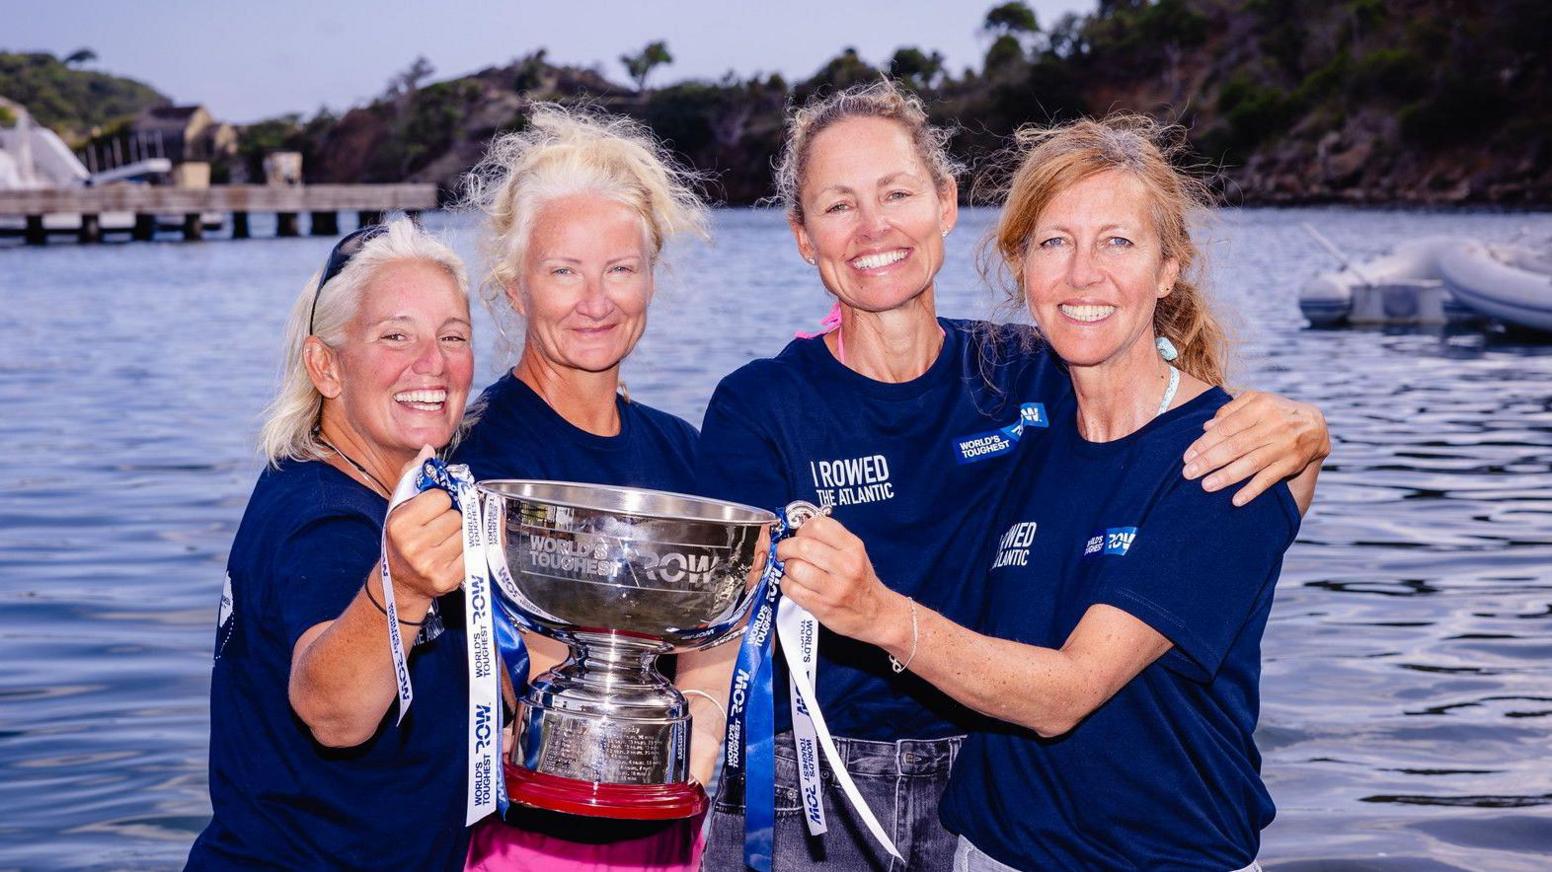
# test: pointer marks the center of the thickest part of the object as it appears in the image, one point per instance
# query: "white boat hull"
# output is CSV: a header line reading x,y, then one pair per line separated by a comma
x,y
1513,285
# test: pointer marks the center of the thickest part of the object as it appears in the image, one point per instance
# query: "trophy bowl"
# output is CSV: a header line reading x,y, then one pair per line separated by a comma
x,y
621,575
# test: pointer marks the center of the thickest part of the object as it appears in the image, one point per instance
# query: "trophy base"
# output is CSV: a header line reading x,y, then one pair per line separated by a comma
x,y
639,802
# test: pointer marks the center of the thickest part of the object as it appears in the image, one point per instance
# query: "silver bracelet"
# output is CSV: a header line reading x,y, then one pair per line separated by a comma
x,y
709,698
895,664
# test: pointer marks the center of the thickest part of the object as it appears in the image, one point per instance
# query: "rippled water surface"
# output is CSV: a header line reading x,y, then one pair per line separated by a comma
x,y
1407,699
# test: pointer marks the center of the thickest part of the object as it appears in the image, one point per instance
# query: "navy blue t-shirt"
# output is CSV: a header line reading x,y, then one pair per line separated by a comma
x,y
1165,775
308,540
517,435
915,469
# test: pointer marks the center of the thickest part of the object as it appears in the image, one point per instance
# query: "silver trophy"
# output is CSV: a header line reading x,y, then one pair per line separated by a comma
x,y
621,575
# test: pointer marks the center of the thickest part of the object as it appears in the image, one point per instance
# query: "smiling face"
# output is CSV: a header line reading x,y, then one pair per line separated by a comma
x,y
873,220
585,283
403,371
1094,270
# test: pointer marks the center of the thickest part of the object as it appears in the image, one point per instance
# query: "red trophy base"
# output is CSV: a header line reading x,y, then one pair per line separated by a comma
x,y
637,802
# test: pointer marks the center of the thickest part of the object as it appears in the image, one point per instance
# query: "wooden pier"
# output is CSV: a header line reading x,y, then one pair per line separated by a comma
x,y
146,202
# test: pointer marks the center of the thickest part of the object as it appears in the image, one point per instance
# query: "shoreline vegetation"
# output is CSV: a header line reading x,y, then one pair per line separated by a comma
x,y
1379,102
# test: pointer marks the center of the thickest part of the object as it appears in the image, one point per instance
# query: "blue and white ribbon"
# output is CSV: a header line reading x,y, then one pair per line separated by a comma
x,y
793,622
487,630
409,486
750,746
804,735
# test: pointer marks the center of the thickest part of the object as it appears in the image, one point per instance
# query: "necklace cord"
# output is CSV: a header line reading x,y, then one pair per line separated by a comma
x,y
353,462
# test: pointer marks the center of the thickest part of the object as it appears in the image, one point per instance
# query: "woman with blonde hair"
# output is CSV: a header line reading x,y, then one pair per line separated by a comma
x,y
1111,638
907,426
578,208
309,767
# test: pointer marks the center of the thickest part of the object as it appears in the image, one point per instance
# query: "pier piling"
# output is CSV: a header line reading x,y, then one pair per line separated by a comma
x,y
240,225
193,227
325,223
36,234
91,230
145,227
286,224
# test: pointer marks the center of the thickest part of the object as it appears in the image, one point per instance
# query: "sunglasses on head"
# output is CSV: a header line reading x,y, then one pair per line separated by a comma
x,y
344,250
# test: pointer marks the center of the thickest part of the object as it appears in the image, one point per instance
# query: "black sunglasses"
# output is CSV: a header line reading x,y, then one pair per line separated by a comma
x,y
344,250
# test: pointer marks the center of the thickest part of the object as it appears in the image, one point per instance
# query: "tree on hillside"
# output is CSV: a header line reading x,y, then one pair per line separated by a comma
x,y
1012,24
529,71
916,68
1014,19
80,56
640,65
407,80
842,71
1065,38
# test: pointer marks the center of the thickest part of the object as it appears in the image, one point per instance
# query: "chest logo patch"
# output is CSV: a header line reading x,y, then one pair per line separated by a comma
x,y
852,481
995,443
1013,547
1114,542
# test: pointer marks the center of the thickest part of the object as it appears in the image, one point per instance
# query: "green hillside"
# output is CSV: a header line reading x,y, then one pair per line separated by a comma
x,y
71,101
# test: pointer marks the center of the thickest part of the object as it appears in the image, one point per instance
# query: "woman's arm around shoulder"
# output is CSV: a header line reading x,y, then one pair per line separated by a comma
x,y
1265,438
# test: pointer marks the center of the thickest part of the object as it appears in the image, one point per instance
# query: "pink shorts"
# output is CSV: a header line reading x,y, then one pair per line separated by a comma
x,y
553,843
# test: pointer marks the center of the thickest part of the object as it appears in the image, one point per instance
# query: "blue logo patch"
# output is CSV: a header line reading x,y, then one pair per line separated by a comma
x,y
1033,415
1115,541
995,443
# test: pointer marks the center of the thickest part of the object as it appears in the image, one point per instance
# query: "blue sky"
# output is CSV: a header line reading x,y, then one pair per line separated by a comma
x,y
253,60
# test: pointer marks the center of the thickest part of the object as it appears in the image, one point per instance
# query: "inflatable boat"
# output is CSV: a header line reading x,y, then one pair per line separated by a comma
x,y
1403,287
1509,283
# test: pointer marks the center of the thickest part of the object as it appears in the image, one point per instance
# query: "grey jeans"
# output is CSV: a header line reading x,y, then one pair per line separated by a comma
x,y
901,781
968,858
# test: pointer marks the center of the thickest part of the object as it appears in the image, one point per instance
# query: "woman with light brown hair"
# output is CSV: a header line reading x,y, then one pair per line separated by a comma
x,y
1112,637
908,427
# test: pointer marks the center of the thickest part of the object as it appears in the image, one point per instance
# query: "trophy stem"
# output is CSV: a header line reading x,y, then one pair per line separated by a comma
x,y
605,734
621,658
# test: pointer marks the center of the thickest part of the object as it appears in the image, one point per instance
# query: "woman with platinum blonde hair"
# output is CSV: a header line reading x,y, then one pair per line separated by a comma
x,y
309,767
907,425
578,208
